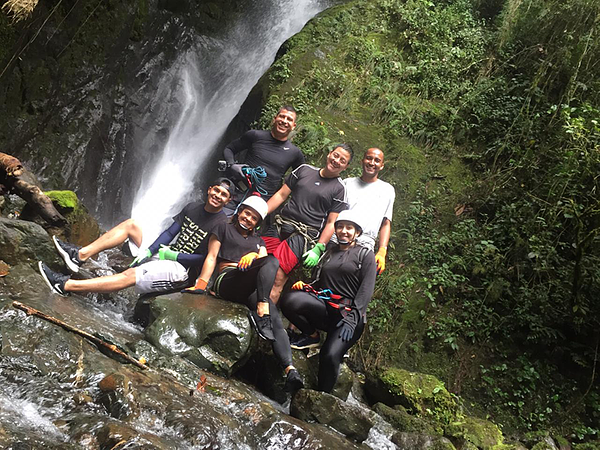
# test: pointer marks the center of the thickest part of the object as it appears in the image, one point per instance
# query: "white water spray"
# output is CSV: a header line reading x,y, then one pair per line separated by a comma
x,y
210,90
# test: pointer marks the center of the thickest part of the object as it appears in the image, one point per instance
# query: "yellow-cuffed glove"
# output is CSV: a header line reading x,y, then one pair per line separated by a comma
x,y
298,285
247,260
380,259
199,288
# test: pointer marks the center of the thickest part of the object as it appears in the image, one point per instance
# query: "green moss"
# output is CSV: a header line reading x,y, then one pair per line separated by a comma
x,y
64,200
481,433
543,446
423,394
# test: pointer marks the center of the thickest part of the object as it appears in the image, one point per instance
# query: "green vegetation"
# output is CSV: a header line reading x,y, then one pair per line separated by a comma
x,y
489,116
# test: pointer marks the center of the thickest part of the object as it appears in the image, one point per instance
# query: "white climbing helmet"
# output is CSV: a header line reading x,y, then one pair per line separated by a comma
x,y
257,204
351,216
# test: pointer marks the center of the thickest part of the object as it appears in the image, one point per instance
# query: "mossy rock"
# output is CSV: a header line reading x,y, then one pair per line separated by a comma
x,y
423,395
64,201
543,446
83,227
400,419
481,433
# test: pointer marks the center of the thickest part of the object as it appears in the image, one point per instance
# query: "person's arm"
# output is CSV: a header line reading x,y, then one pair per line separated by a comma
x,y
368,272
328,229
234,147
278,198
246,261
214,245
384,239
190,259
165,237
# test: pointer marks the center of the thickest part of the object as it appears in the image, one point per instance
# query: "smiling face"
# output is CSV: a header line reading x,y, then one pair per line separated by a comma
x,y
372,163
217,197
337,161
248,218
283,124
346,232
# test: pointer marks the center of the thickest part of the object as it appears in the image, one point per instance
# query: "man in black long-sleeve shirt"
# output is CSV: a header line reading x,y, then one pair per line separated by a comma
x,y
160,267
270,149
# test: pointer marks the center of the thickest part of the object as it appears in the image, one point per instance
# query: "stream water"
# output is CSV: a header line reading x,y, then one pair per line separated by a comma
x,y
209,83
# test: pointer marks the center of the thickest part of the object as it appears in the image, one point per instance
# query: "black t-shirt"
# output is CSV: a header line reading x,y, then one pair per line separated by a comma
x,y
196,223
275,156
340,273
233,244
313,197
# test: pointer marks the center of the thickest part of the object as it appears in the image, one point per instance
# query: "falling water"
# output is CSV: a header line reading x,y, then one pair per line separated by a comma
x,y
211,85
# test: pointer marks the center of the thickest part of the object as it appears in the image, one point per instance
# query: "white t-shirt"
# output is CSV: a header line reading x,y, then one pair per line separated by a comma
x,y
374,202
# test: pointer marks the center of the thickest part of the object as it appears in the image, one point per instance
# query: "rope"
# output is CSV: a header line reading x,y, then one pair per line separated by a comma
x,y
255,176
300,228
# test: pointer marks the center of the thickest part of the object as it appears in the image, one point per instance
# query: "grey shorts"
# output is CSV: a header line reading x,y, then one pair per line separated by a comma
x,y
160,276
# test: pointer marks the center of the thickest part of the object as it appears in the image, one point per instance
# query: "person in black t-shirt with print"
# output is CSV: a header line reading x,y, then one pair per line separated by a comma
x,y
269,149
160,267
246,276
336,301
305,223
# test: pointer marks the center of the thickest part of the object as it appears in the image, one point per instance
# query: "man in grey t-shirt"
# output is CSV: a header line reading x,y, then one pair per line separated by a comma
x,y
374,200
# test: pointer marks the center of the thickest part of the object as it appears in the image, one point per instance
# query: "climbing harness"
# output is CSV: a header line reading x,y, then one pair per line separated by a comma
x,y
310,234
334,300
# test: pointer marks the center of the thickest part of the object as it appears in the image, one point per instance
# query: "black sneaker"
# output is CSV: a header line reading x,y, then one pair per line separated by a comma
x,y
293,381
56,281
68,252
262,325
302,341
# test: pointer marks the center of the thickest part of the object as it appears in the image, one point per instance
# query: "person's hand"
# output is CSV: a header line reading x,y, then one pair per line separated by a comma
x,y
380,259
311,257
165,252
298,285
199,288
247,260
235,171
142,257
347,325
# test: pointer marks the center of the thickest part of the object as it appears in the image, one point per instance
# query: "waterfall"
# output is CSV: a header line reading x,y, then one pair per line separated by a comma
x,y
211,83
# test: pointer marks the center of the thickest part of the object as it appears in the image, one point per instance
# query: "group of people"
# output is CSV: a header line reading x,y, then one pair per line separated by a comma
x,y
314,219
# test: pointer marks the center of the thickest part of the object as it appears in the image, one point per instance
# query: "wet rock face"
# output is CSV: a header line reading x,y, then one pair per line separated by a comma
x,y
323,408
213,334
23,242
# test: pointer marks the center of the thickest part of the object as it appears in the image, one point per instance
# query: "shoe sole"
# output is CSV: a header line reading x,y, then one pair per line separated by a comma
x,y
257,329
65,256
52,288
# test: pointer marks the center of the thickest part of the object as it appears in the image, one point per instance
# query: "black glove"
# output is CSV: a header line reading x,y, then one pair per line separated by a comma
x,y
236,173
348,324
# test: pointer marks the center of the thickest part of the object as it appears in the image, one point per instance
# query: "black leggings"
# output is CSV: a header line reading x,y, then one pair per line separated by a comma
x,y
308,314
250,286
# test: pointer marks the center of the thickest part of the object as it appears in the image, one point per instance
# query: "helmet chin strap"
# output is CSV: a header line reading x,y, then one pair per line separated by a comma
x,y
243,226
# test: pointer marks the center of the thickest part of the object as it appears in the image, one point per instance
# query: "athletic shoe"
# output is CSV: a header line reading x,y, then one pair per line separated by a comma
x,y
55,281
262,325
302,341
293,381
68,252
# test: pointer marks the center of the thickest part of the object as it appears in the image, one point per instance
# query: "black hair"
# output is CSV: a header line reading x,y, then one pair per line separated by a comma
x,y
289,108
344,147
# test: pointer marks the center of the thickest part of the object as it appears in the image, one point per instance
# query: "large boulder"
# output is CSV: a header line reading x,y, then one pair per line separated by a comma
x,y
313,406
23,242
418,441
421,394
481,433
214,334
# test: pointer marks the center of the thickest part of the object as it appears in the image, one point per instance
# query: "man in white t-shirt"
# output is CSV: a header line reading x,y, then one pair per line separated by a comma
x,y
374,200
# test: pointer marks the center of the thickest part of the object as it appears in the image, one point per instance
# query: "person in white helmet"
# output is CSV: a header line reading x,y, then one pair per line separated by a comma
x,y
246,276
335,301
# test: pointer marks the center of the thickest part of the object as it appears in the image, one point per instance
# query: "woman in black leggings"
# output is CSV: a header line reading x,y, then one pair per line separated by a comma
x,y
246,276
336,302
